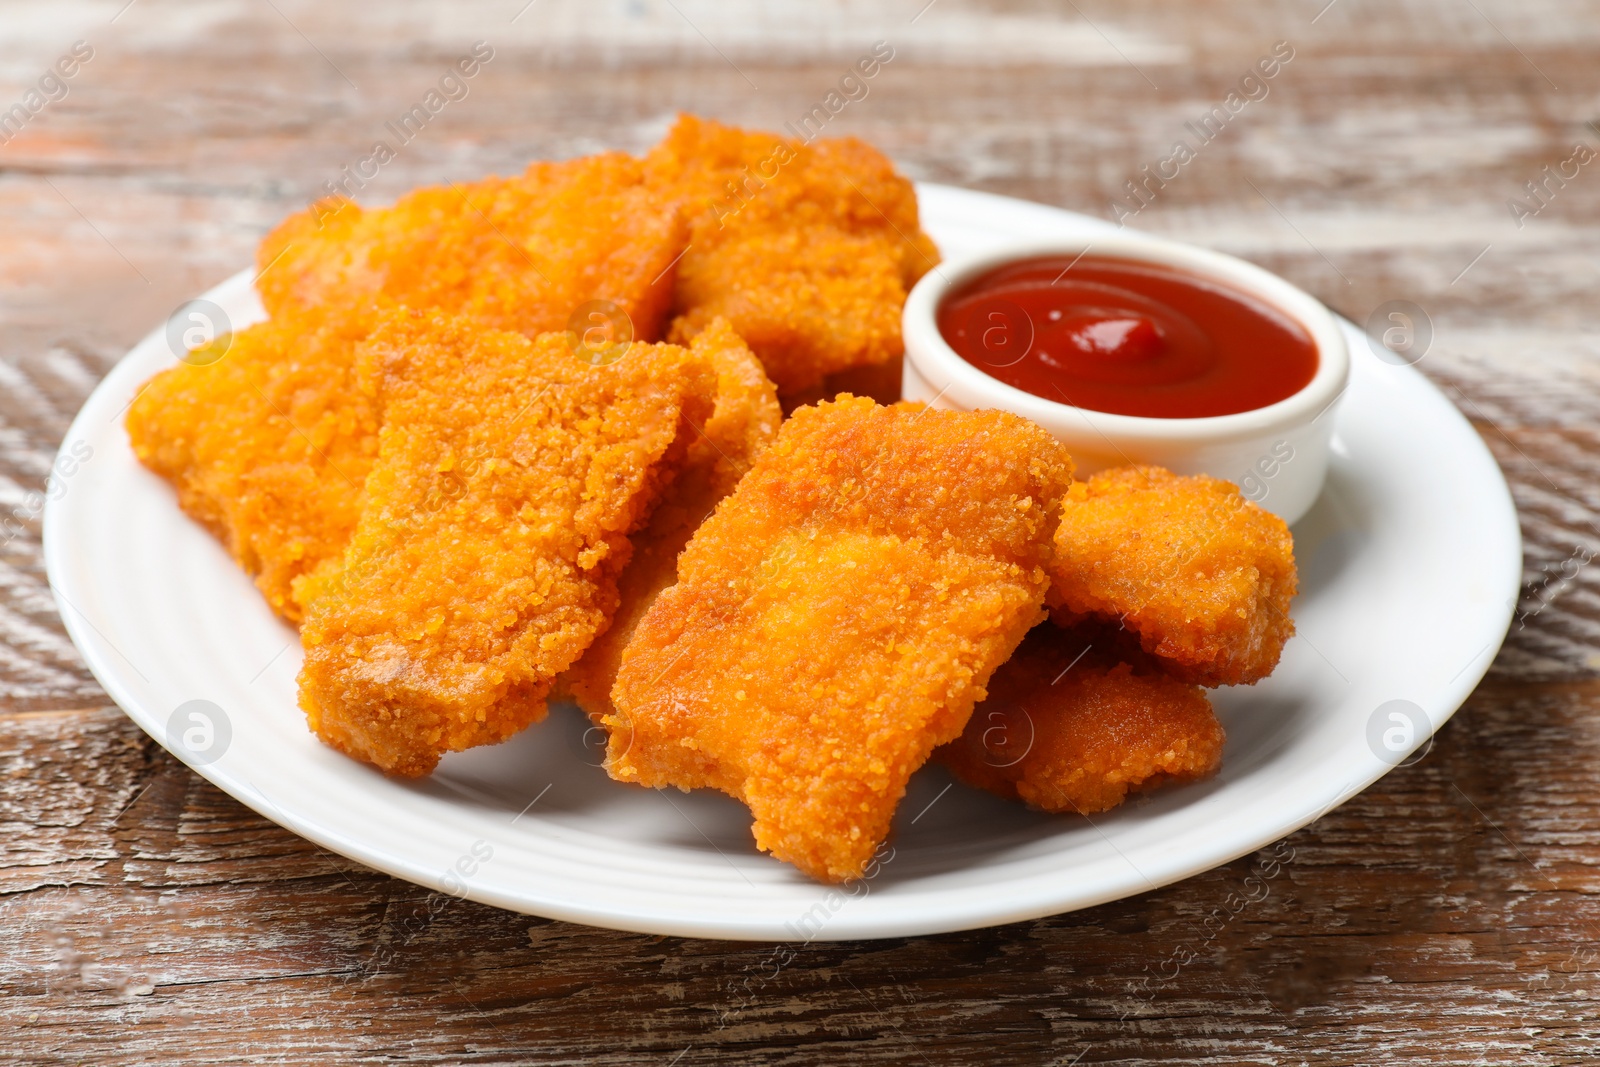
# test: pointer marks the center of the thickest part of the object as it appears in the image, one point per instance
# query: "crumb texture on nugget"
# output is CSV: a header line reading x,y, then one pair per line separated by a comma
x,y
269,444
493,526
517,253
807,249
1203,576
1067,728
744,421
838,616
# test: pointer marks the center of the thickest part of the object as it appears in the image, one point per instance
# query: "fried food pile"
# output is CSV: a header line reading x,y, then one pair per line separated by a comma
x,y
1160,585
838,616
523,439
858,604
495,522
268,445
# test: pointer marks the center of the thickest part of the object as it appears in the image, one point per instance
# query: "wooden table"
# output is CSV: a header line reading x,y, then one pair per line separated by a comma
x,y
1447,915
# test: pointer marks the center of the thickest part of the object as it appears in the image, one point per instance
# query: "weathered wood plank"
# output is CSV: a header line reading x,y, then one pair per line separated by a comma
x,y
1467,930
1446,916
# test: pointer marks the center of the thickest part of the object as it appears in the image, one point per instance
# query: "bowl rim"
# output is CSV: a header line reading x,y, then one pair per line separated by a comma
x,y
927,349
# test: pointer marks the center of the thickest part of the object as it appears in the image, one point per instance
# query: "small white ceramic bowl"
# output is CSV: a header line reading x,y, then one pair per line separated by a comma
x,y
1278,455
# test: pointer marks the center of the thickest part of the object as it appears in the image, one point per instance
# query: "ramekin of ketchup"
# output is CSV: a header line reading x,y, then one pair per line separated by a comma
x,y
1134,349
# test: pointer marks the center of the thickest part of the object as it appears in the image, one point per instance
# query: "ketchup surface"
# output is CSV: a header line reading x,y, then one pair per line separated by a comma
x,y
1127,338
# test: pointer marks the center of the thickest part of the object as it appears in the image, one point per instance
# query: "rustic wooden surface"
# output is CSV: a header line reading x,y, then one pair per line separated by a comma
x,y
1448,915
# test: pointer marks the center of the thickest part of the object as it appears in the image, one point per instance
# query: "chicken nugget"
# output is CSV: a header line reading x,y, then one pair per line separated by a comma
x,y
494,522
267,441
1203,576
837,617
1067,728
517,253
807,249
269,445
743,422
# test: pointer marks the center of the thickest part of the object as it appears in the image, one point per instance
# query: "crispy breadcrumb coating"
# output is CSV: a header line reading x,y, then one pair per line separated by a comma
x,y
516,253
268,446
743,423
1203,576
837,617
1070,729
808,250
494,522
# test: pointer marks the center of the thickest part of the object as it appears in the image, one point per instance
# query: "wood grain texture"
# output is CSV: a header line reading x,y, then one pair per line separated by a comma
x,y
1448,915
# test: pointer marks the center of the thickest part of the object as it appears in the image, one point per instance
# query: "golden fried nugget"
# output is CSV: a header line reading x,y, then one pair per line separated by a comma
x,y
807,249
837,617
743,423
517,253
268,445
493,525
1067,728
1203,576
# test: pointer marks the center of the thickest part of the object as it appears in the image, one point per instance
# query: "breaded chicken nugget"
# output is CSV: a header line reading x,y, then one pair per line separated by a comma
x,y
493,525
837,617
808,250
1203,576
743,423
1068,729
517,253
268,444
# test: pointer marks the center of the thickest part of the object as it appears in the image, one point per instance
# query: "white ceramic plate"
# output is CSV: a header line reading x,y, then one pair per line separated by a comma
x,y
1410,565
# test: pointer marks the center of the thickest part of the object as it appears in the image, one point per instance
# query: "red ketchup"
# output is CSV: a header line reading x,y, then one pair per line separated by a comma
x,y
1127,338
